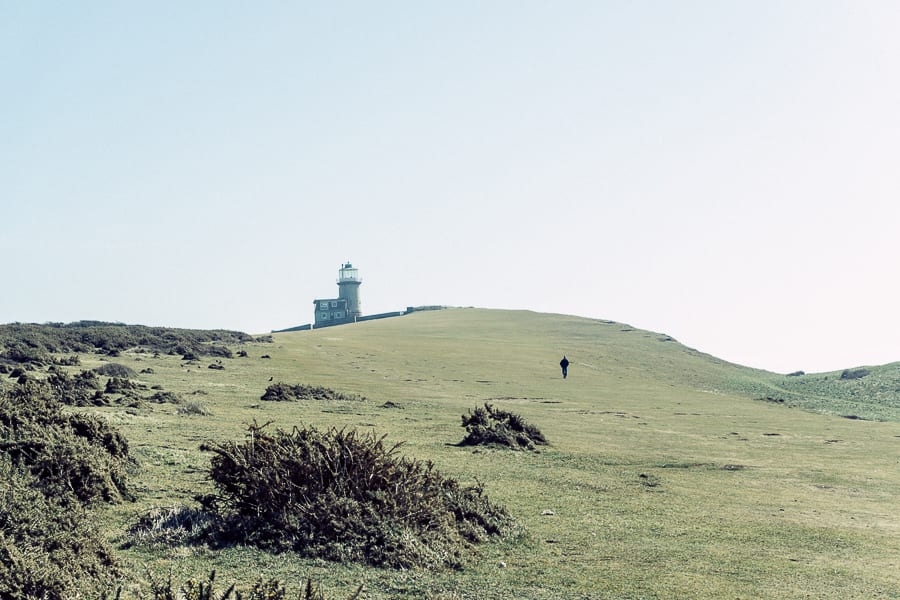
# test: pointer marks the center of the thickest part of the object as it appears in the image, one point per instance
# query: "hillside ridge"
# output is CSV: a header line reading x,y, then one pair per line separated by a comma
x,y
608,347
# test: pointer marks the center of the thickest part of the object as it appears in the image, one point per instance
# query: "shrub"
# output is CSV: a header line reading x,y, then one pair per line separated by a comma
x,y
53,467
164,398
115,370
491,426
340,496
121,385
48,549
70,361
220,351
24,352
854,373
76,458
111,338
81,390
285,393
279,392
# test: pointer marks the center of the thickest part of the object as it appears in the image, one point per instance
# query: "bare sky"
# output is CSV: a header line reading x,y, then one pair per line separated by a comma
x,y
724,172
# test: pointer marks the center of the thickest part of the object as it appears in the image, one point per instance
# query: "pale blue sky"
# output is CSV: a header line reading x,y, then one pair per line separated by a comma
x,y
724,172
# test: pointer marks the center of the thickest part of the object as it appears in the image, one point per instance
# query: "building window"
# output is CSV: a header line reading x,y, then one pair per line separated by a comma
x,y
338,314
324,316
334,304
323,305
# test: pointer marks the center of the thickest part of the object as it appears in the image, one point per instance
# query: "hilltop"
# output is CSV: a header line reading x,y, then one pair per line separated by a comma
x,y
513,341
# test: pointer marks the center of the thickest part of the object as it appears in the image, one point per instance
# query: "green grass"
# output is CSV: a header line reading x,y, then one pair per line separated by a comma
x,y
665,477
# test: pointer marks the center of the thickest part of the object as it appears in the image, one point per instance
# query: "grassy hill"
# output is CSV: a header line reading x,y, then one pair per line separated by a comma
x,y
668,475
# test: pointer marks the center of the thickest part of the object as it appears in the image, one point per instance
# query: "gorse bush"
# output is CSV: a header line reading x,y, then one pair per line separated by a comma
x,y
23,352
32,342
53,467
854,373
115,370
282,392
122,385
83,389
48,548
341,496
73,457
491,426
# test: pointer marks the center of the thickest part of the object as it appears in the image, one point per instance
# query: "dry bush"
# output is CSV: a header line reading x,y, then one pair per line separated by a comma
x,y
343,496
491,426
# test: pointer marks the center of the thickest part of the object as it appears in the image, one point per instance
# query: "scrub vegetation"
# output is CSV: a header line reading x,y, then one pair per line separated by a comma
x,y
344,496
670,473
491,426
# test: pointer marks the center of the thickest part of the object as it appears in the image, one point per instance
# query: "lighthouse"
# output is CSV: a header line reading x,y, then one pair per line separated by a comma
x,y
345,308
348,289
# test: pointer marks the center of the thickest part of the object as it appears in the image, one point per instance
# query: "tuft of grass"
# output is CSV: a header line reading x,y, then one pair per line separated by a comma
x,y
205,589
194,407
175,525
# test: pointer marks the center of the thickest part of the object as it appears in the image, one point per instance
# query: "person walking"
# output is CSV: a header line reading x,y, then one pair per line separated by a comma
x,y
564,363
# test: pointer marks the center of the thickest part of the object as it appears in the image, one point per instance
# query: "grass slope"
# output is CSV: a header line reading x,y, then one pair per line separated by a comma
x,y
664,477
